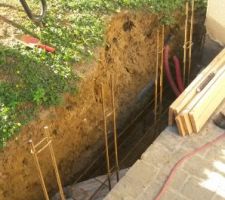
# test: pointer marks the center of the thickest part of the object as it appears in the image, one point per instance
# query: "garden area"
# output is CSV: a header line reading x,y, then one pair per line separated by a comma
x,y
32,79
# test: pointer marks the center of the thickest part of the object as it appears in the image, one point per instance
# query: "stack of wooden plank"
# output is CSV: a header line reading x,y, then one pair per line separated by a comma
x,y
192,109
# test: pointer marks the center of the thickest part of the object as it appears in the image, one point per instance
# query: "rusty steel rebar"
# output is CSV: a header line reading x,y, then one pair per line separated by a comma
x,y
36,161
188,40
191,38
106,137
35,153
161,67
54,163
159,71
115,127
156,76
115,136
185,40
121,144
129,153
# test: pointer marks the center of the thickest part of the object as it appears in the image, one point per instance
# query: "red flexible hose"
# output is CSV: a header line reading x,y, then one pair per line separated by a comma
x,y
181,161
179,80
168,71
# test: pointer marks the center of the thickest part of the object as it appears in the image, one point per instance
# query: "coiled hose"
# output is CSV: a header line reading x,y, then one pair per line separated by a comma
x,y
35,18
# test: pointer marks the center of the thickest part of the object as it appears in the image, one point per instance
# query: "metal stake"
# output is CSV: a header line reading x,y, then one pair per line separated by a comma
x,y
35,153
115,127
188,41
39,170
161,66
185,41
156,76
54,164
106,137
191,38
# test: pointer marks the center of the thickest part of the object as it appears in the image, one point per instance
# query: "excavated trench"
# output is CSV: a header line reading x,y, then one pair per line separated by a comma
x,y
140,130
77,126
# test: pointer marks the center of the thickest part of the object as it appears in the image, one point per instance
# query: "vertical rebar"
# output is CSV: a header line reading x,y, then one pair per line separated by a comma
x,y
191,38
54,163
115,126
161,67
106,137
185,42
39,170
156,75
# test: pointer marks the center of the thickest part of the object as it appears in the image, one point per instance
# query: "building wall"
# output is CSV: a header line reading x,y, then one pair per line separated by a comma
x,y
215,20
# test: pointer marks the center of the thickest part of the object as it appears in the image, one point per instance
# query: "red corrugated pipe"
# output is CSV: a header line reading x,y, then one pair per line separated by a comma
x,y
179,79
168,71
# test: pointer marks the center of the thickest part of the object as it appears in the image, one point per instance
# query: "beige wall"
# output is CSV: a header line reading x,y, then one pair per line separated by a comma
x,y
215,20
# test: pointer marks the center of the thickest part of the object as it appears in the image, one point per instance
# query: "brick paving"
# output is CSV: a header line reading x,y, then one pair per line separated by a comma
x,y
200,178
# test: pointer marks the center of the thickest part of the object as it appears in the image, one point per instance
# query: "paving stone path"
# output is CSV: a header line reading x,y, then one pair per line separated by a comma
x,y
200,178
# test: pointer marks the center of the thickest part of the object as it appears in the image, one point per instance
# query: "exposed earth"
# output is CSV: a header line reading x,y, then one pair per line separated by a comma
x,y
77,125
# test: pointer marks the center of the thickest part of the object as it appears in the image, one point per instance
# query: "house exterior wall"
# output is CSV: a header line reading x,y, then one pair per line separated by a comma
x,y
215,20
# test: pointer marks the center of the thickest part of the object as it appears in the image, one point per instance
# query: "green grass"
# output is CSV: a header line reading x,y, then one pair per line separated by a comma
x,y
33,79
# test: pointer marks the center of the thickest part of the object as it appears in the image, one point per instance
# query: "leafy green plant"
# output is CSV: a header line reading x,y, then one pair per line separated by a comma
x,y
31,78
8,124
39,96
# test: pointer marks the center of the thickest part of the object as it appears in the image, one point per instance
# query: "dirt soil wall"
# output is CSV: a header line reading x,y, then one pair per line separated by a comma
x,y
77,126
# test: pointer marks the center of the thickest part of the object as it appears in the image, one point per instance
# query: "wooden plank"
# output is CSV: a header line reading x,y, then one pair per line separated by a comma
x,y
186,122
191,90
178,105
184,114
208,104
180,126
204,90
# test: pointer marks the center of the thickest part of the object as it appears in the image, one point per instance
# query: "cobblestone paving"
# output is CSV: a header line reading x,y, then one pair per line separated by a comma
x,y
200,178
